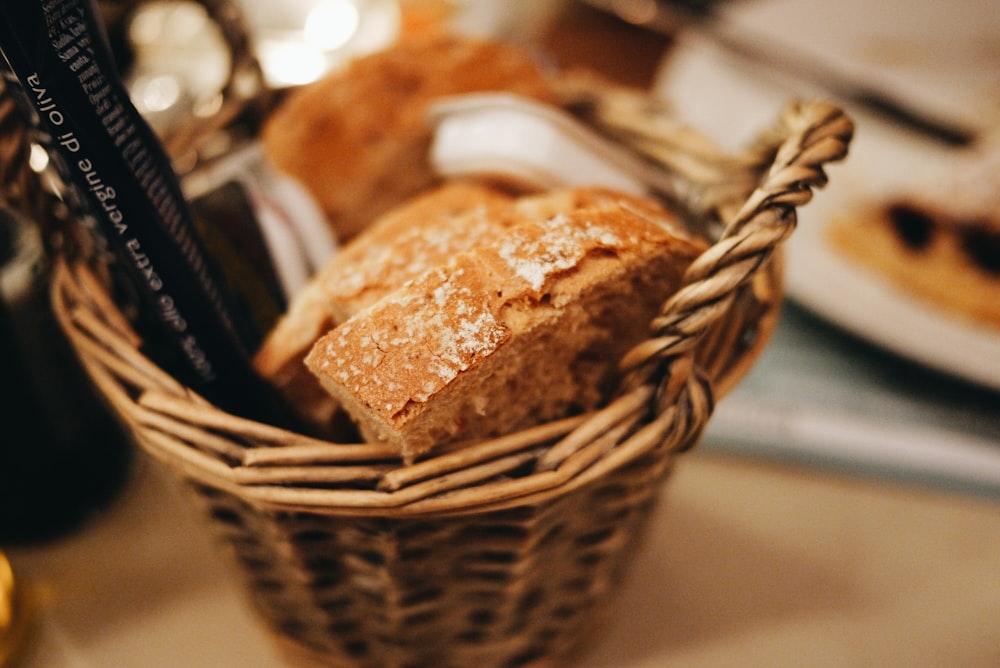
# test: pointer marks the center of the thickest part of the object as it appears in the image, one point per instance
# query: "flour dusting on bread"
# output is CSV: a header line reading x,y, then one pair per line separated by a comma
x,y
525,326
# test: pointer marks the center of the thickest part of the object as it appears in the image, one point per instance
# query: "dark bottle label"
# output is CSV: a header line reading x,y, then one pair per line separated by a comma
x,y
112,162
63,456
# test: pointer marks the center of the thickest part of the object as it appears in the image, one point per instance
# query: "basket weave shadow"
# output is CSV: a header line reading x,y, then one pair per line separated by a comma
x,y
498,553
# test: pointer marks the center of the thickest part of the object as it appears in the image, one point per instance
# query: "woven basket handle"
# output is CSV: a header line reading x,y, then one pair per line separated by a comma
x,y
808,136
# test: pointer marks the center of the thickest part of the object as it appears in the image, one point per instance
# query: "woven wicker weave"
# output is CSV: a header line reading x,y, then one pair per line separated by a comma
x,y
496,553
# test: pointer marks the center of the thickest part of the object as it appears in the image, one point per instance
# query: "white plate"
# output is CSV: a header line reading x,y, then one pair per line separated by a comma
x,y
831,287
731,101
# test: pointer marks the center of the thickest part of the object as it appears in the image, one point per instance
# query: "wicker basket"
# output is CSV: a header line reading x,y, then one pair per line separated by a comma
x,y
499,553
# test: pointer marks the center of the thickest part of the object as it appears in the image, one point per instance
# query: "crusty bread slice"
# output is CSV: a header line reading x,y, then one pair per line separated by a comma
x,y
403,243
281,359
521,329
407,241
431,228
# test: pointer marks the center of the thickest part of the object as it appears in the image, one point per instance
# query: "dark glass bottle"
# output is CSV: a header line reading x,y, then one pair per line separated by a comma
x,y
63,456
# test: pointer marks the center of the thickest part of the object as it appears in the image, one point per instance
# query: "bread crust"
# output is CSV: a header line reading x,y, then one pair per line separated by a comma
x,y
358,139
409,240
520,329
281,359
403,243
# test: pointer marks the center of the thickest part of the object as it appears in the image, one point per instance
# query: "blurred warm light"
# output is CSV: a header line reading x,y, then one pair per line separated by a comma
x,y
6,595
156,93
331,24
300,40
180,60
38,159
288,63
172,20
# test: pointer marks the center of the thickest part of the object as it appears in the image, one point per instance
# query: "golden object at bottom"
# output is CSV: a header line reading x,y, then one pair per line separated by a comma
x,y
14,614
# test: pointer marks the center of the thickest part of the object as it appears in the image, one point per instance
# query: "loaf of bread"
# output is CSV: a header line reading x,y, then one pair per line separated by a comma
x,y
522,327
358,139
421,233
410,239
281,360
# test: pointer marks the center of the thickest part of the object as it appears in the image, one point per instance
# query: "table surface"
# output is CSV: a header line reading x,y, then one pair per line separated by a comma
x,y
748,562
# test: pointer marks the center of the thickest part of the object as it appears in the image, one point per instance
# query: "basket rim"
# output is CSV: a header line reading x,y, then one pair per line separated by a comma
x,y
665,403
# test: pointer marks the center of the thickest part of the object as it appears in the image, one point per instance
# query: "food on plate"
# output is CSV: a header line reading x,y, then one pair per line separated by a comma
x,y
939,243
523,326
358,139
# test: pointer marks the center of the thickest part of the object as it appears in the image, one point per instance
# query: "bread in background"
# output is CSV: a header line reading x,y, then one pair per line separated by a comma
x,y
358,139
